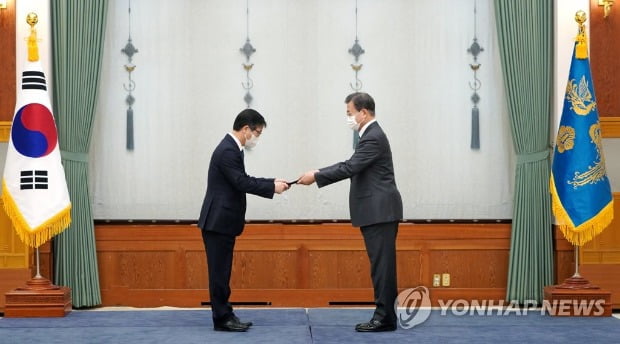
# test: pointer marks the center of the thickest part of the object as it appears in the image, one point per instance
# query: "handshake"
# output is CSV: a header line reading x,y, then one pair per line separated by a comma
x,y
307,178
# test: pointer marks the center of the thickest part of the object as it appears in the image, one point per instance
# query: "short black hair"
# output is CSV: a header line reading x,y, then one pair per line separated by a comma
x,y
249,117
361,101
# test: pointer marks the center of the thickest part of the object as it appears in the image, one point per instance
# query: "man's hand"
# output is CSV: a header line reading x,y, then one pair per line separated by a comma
x,y
307,178
280,186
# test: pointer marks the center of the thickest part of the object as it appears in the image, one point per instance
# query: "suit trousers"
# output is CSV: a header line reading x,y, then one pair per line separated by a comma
x,y
219,249
380,240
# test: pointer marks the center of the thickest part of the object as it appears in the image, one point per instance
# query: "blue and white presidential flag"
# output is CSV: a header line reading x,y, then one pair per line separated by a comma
x,y
34,188
580,189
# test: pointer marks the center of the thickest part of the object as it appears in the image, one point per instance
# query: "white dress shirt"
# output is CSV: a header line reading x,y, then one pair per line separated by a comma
x,y
363,129
236,140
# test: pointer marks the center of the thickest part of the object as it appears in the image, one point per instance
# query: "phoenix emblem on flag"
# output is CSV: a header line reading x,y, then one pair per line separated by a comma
x,y
580,97
594,173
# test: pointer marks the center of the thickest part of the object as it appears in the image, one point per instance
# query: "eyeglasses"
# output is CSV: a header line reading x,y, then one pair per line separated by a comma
x,y
258,132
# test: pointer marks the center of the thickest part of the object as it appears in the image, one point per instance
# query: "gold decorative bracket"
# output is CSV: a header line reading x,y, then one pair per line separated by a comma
x,y
606,6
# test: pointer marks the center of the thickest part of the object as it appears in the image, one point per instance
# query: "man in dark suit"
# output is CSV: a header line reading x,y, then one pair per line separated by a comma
x,y
223,211
374,203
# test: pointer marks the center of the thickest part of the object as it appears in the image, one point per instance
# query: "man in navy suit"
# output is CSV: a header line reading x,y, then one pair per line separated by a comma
x,y
222,216
374,203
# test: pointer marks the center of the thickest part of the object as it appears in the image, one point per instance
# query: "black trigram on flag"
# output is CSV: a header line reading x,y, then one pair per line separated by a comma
x,y
33,180
33,80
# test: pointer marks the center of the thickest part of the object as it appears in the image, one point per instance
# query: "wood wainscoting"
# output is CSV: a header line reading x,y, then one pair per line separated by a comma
x,y
600,258
302,265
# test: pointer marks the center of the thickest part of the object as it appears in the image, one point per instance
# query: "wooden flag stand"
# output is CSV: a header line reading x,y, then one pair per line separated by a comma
x,y
577,297
39,298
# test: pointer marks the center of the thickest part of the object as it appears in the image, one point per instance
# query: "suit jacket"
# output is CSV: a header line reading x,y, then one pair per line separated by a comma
x,y
223,209
373,197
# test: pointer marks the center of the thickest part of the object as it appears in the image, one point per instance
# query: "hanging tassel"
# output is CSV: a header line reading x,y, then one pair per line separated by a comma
x,y
475,128
581,48
130,129
33,47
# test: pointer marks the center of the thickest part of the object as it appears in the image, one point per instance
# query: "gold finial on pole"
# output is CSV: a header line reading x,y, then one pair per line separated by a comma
x,y
33,48
581,50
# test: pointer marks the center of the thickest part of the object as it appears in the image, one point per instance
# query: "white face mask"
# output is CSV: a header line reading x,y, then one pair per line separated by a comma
x,y
251,142
352,123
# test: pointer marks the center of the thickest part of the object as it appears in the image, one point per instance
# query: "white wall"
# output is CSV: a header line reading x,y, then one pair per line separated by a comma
x,y
188,91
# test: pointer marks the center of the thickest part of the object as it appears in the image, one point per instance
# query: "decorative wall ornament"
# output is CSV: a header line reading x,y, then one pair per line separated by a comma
x,y
247,49
129,50
475,49
356,50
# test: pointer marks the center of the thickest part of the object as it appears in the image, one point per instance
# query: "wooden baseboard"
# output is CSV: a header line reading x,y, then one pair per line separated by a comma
x,y
118,296
309,265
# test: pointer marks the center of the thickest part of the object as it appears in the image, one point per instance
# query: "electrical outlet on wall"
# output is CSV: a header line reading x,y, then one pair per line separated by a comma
x,y
445,279
436,280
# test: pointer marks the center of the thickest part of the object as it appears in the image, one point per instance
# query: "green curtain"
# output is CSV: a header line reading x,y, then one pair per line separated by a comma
x,y
78,29
525,35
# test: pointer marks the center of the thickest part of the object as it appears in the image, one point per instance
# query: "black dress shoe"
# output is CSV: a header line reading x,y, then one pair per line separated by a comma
x,y
231,325
248,324
375,326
